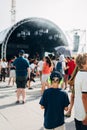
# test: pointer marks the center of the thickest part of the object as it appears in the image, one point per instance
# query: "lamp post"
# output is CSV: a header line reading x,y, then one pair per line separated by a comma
x,y
13,11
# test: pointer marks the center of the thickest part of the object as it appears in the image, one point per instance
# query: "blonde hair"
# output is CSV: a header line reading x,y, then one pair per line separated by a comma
x,y
81,60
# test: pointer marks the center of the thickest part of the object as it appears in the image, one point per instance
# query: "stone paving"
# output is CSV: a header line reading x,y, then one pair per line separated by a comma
x,y
28,116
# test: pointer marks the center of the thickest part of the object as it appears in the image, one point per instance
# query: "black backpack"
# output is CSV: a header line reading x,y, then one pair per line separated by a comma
x,y
59,67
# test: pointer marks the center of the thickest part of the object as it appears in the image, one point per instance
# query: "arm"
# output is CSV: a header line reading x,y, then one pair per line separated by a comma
x,y
74,73
71,80
84,99
66,102
66,108
43,101
42,107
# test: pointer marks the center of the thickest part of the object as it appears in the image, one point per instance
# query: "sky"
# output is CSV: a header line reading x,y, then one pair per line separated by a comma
x,y
67,14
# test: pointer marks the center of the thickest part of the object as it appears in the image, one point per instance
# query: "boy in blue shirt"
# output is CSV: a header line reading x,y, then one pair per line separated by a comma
x,y
54,101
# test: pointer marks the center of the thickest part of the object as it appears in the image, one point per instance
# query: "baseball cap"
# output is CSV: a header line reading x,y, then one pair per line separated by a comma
x,y
56,75
21,52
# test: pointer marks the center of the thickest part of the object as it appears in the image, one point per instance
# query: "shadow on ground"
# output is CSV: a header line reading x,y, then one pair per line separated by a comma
x,y
70,125
31,96
41,128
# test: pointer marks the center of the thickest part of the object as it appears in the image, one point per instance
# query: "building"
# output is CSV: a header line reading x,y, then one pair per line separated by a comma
x,y
76,42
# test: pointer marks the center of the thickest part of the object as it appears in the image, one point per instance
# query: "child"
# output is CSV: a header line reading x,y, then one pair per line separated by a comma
x,y
80,101
54,101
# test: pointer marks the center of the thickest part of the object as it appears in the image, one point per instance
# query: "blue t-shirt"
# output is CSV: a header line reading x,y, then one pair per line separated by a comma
x,y
54,101
21,65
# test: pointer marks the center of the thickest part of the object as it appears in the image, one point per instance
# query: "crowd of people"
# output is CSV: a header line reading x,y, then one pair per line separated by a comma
x,y
57,74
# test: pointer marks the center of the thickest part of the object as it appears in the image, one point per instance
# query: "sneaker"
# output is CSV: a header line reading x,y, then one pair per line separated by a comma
x,y
30,88
23,102
17,102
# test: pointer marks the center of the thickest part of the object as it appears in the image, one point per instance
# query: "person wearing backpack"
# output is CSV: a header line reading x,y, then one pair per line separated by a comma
x,y
60,67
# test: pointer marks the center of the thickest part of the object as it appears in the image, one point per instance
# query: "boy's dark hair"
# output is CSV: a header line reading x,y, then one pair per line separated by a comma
x,y
56,74
48,61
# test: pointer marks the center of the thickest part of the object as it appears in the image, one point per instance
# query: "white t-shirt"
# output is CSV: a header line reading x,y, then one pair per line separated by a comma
x,y
40,65
4,64
63,67
80,86
32,66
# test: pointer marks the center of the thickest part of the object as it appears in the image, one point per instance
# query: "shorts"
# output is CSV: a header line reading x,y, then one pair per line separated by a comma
x,y
69,76
45,77
62,127
21,81
12,74
66,77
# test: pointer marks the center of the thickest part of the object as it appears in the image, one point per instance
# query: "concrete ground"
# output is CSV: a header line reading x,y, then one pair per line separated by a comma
x,y
26,116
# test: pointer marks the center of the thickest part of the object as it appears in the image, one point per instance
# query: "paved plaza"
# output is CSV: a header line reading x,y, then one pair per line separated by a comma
x,y
28,116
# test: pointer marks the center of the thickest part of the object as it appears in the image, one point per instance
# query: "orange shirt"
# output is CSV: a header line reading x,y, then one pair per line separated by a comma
x,y
46,69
